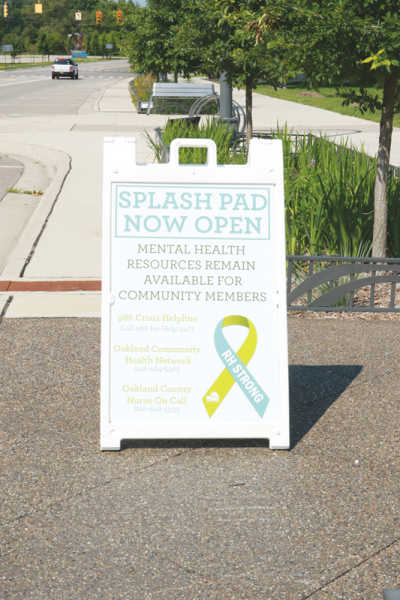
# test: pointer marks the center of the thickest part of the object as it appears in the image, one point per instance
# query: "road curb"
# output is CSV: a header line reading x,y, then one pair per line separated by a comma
x,y
61,162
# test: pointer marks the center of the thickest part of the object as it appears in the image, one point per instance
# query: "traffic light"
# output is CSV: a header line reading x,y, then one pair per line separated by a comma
x,y
5,10
99,17
38,8
119,17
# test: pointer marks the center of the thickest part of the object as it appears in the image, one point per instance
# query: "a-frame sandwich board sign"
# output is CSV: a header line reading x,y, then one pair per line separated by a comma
x,y
194,322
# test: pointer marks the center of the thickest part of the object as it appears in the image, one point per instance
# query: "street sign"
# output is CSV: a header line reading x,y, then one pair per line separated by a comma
x,y
8,47
78,54
78,16
194,325
109,46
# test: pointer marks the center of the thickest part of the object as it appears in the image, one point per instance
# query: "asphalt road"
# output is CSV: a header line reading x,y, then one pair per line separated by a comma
x,y
33,92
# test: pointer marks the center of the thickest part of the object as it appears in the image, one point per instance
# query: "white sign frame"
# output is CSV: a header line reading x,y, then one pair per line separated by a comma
x,y
265,167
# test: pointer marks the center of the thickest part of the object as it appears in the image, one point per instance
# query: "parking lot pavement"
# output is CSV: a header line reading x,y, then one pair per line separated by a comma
x,y
195,520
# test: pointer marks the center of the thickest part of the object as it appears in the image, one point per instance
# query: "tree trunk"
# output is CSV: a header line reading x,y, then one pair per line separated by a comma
x,y
176,76
249,110
382,172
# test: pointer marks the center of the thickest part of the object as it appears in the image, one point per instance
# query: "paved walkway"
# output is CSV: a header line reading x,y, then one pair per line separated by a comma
x,y
200,520
169,520
268,112
70,242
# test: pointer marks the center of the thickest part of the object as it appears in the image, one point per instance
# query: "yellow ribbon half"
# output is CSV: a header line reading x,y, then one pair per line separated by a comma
x,y
235,370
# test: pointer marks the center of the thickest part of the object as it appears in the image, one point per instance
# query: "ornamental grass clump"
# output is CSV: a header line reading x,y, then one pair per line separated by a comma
x,y
329,196
329,188
220,133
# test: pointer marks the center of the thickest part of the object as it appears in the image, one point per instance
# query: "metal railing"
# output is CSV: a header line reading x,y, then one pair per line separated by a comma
x,y
268,134
328,283
164,150
239,140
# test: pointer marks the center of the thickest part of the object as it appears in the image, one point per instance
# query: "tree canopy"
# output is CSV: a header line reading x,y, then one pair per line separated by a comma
x,y
195,37
339,42
23,26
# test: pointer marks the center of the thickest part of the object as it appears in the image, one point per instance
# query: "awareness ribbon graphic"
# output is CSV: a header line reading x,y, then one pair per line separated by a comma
x,y
235,369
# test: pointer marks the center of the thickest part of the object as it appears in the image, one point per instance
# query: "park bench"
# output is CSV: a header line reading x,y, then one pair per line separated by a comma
x,y
178,94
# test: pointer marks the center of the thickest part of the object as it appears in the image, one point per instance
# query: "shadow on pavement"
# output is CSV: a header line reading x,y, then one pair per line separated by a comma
x,y
313,389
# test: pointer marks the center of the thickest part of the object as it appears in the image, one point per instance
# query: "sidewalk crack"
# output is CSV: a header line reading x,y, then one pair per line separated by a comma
x,y
359,564
98,486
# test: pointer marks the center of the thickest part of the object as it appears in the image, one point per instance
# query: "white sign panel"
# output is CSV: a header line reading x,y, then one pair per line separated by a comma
x,y
8,47
194,330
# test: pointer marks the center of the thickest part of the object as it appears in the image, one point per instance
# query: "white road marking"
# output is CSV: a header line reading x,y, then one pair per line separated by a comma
x,y
25,81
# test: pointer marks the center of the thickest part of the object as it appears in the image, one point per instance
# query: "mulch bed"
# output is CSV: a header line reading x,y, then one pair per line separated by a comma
x,y
361,298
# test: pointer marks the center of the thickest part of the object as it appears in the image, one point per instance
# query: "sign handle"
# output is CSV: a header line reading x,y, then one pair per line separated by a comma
x,y
193,143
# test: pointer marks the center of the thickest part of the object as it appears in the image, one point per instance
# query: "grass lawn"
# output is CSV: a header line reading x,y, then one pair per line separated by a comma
x,y
328,102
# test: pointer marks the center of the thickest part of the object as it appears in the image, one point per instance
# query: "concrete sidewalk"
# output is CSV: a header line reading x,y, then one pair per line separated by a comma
x,y
70,243
70,246
201,520
268,112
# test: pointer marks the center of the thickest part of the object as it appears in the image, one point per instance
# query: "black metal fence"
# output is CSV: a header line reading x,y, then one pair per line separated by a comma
x,y
329,283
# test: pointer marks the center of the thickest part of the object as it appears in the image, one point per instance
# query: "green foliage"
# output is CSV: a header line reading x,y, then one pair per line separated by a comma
x,y
149,38
42,45
340,43
332,43
220,133
329,198
94,46
54,43
102,44
196,37
329,194
329,188
393,199
58,18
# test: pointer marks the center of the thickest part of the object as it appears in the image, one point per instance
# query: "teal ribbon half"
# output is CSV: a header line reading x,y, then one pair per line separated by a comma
x,y
235,370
